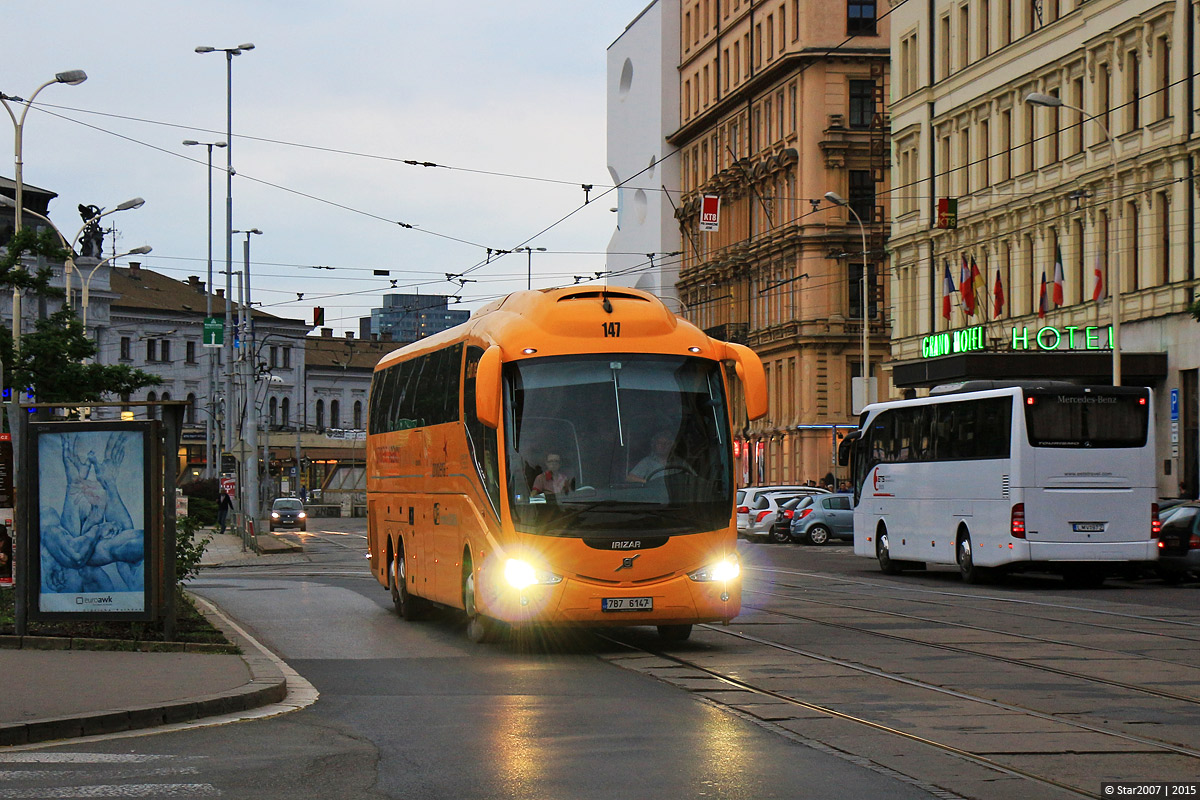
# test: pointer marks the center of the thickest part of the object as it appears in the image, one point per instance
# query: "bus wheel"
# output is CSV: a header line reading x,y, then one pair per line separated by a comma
x,y
818,535
966,562
480,628
884,554
674,633
407,606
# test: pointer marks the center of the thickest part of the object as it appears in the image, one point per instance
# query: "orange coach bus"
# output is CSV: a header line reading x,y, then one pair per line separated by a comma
x,y
561,458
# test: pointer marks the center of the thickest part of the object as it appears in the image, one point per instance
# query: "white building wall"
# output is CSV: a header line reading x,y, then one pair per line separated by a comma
x,y
643,108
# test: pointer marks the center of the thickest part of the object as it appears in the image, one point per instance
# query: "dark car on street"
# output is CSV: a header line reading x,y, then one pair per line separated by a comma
x,y
288,512
1179,543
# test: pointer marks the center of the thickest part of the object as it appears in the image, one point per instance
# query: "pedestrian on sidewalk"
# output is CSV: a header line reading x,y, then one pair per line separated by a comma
x,y
224,505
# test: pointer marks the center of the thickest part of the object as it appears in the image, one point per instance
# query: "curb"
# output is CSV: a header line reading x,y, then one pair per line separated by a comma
x,y
267,685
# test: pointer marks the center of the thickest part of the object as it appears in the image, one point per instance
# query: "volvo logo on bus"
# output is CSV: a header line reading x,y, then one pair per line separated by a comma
x,y
627,562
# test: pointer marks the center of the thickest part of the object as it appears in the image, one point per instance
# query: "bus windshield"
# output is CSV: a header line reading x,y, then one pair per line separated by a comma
x,y
1057,418
609,445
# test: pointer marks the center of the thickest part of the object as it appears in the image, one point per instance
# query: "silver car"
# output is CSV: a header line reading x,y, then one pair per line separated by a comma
x,y
817,519
748,497
762,515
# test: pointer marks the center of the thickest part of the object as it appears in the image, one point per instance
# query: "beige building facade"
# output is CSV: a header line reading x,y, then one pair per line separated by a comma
x,y
782,101
1107,199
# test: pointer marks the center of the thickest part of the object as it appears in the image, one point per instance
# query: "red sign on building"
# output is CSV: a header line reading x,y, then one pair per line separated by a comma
x,y
710,212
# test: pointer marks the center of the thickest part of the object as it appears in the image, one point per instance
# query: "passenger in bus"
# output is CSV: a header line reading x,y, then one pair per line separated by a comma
x,y
552,480
656,461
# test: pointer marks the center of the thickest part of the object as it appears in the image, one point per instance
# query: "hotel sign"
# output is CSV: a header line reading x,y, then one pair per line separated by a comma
x,y
1048,338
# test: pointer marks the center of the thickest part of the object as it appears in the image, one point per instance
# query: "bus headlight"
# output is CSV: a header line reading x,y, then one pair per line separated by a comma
x,y
726,569
522,574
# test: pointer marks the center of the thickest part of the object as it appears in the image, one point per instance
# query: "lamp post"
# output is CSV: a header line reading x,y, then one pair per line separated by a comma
x,y
837,199
1114,274
529,262
210,447
137,251
229,52
246,346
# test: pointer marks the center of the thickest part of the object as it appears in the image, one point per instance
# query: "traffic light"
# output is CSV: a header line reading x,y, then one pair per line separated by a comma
x,y
318,317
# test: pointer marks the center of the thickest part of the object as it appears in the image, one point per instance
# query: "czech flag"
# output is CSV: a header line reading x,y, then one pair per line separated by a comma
x,y
1042,298
966,287
998,292
1058,277
947,290
1098,289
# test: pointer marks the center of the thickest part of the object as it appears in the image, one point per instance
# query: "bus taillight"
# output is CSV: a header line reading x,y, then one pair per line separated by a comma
x,y
1018,521
1155,522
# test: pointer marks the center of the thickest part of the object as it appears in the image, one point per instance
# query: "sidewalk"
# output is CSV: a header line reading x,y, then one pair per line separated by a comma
x,y
57,693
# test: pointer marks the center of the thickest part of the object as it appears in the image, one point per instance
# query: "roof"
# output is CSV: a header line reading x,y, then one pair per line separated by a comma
x,y
344,353
146,290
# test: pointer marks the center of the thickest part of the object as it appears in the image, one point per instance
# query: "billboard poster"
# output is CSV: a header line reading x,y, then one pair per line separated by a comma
x,y
91,535
710,213
6,552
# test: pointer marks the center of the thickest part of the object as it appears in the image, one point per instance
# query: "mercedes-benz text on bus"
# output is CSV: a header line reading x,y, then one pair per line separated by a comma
x,y
562,458
1049,476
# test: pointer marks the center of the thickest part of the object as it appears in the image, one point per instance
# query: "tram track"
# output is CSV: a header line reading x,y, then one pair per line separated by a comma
x,y
726,678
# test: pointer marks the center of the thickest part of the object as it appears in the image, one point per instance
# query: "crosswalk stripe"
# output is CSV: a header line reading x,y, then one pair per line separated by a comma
x,y
135,790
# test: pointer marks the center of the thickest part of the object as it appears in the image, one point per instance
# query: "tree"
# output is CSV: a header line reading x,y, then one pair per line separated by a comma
x,y
51,361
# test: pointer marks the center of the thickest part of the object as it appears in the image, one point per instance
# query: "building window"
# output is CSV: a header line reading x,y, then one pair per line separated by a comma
x,y
862,103
1164,236
985,156
320,415
189,349
126,348
862,194
964,36
1164,77
189,413
944,46
285,412
985,22
358,415
1104,98
335,415
164,353
860,17
1006,144
1053,119
272,411
287,358
855,292
1134,106
274,356
1077,101
964,157
151,350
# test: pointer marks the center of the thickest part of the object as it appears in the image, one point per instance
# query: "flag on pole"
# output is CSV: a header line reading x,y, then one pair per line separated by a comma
x,y
1098,289
1058,276
1042,298
947,290
998,293
966,288
977,284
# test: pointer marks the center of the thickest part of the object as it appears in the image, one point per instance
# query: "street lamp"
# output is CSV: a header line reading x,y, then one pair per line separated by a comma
x,y
229,52
137,251
1114,274
529,265
246,345
72,77
838,200
69,260
210,448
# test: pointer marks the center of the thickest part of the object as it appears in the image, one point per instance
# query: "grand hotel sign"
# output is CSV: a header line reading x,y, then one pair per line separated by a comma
x,y
1047,339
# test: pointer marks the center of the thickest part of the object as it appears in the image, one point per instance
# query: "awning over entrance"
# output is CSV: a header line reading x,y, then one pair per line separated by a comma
x,y
1137,369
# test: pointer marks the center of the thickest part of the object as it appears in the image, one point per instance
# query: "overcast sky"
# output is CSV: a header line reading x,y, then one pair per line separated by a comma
x,y
508,97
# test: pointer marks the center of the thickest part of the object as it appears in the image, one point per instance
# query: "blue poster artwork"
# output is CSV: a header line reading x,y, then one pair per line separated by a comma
x,y
92,526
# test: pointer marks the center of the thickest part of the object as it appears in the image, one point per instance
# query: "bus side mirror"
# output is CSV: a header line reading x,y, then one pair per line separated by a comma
x,y
754,379
845,446
487,388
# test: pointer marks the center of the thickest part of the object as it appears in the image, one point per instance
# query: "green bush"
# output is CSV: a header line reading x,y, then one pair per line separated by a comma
x,y
188,549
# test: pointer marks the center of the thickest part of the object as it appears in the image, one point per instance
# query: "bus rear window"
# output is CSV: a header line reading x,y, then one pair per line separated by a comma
x,y
1071,419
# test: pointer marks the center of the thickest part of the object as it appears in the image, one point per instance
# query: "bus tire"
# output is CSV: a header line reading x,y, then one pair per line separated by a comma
x,y
480,628
674,633
884,554
408,606
971,573
818,535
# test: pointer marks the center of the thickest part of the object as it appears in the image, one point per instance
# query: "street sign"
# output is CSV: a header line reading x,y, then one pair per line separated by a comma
x,y
214,332
229,486
1174,405
228,462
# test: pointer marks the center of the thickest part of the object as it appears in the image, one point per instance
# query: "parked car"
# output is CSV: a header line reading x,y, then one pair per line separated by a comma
x,y
816,519
762,515
288,512
748,496
1179,543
